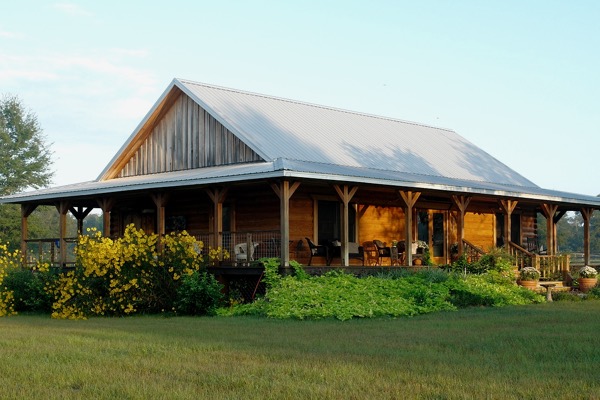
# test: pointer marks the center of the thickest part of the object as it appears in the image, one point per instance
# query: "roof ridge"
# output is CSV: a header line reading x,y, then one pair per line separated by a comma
x,y
305,103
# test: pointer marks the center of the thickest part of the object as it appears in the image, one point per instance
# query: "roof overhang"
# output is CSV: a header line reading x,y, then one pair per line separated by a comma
x,y
291,169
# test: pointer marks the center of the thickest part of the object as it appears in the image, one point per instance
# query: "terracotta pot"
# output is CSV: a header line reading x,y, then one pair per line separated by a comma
x,y
417,261
585,284
531,285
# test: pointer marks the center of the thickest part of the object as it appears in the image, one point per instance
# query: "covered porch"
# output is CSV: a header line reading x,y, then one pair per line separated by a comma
x,y
275,218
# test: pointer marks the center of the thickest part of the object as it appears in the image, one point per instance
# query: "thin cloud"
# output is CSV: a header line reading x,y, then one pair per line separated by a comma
x,y
72,9
10,35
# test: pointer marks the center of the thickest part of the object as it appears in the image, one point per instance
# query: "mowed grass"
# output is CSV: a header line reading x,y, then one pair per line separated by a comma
x,y
543,351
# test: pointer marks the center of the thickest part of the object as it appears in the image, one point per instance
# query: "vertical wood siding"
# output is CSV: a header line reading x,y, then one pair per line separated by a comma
x,y
187,137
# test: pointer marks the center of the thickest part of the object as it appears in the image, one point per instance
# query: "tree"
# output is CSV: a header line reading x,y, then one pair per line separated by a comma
x,y
25,158
25,161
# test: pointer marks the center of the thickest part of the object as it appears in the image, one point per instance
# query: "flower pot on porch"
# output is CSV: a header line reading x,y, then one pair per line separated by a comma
x,y
417,261
585,284
531,285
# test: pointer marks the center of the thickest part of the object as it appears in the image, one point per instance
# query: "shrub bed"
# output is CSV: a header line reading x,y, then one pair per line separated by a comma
x,y
344,296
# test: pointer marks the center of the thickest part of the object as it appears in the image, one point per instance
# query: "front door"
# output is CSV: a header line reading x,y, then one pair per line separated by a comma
x,y
431,228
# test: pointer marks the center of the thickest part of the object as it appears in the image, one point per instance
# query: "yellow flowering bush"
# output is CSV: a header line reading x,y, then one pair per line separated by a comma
x,y
131,274
8,260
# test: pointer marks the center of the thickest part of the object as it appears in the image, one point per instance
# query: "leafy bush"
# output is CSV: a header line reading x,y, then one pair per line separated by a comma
x,y
9,260
128,275
566,296
198,294
29,289
488,290
343,296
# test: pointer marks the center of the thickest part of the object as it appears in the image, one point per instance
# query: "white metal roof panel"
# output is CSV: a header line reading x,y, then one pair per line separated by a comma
x,y
295,169
293,130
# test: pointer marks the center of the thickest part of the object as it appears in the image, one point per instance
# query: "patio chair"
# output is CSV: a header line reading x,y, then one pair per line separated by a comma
x,y
383,250
317,250
370,254
533,246
241,252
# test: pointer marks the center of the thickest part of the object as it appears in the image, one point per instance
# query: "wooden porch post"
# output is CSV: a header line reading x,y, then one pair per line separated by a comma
x,y
160,201
106,205
63,209
80,213
555,220
549,210
217,196
586,213
26,210
346,195
462,202
410,199
508,206
284,191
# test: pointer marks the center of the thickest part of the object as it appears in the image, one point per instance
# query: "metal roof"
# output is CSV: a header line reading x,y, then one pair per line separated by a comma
x,y
299,170
304,140
293,130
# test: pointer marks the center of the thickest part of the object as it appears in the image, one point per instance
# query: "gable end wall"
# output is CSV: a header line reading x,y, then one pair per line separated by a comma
x,y
187,137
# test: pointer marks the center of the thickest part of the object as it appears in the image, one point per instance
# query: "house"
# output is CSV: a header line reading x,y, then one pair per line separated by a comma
x,y
260,174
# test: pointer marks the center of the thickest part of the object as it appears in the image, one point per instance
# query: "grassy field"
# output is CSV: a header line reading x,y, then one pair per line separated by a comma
x,y
542,351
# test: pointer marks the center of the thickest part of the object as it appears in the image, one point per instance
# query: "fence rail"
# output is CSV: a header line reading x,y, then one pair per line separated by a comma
x,y
550,266
236,244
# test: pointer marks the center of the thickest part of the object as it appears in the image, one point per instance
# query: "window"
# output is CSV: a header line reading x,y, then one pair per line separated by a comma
x,y
329,223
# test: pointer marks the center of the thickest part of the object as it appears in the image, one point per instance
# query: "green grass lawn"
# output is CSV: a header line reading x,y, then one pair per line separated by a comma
x,y
542,351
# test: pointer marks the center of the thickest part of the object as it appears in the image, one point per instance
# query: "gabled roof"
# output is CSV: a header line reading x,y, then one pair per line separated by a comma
x,y
307,141
277,128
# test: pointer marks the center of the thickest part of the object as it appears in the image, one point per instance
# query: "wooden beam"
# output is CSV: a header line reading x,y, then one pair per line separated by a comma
x,y
217,195
106,204
410,199
284,190
549,211
345,193
508,206
462,202
26,210
80,213
160,201
586,214
63,209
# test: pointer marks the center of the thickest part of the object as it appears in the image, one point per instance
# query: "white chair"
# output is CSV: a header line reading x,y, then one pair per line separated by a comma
x,y
241,252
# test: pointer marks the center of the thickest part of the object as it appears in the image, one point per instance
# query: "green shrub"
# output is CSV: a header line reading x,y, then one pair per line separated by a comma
x,y
198,294
488,290
566,296
28,289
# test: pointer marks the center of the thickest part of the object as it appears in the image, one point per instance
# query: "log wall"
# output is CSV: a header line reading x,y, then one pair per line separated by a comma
x,y
382,223
479,230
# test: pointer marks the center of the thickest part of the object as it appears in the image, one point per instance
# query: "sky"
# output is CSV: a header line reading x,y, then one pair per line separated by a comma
x,y
518,78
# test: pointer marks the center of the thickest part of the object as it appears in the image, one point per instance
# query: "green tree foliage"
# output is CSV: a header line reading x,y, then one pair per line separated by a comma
x,y
25,161
25,158
570,232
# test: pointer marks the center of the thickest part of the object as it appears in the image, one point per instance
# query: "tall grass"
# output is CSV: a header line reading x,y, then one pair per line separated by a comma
x,y
541,351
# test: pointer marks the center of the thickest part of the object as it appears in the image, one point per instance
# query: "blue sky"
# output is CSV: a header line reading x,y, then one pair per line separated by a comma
x,y
520,79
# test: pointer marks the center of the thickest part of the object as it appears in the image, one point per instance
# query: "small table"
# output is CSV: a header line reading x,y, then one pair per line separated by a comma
x,y
548,287
394,257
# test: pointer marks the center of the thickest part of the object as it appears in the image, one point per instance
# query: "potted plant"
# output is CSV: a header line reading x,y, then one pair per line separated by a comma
x,y
421,250
588,278
529,277
454,252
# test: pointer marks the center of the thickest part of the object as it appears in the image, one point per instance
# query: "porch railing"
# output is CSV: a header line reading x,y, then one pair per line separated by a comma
x,y
550,266
48,251
472,252
260,243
